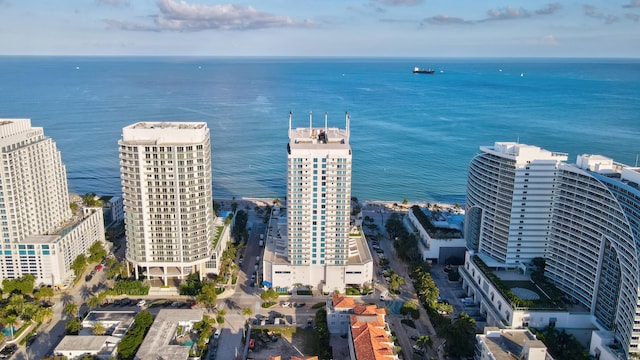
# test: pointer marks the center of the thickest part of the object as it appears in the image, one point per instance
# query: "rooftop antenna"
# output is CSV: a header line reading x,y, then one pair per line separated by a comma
x,y
326,122
310,123
290,116
348,121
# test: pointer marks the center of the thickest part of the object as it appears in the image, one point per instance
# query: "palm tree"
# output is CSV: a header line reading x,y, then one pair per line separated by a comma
x,y
43,313
248,312
220,317
30,311
424,341
276,202
98,329
71,309
17,303
395,281
93,302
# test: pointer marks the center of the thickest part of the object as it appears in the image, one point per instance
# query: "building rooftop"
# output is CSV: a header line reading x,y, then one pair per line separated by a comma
x,y
523,153
309,138
370,338
89,343
507,344
169,125
165,133
342,302
163,331
110,316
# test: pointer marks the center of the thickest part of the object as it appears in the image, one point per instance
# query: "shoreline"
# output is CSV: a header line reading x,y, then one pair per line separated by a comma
x,y
389,205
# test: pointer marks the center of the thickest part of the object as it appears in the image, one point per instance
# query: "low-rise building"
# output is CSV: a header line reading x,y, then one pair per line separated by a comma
x,y
370,338
161,337
115,323
442,237
502,344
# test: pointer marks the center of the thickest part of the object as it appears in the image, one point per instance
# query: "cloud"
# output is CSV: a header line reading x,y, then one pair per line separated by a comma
x,y
128,26
445,20
123,3
398,2
507,13
632,17
550,9
592,12
547,40
632,4
183,16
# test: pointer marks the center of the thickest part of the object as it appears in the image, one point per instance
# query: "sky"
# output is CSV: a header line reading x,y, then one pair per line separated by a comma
x,y
380,28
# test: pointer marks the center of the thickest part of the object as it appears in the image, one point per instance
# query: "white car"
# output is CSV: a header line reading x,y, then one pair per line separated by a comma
x,y
142,303
285,304
216,334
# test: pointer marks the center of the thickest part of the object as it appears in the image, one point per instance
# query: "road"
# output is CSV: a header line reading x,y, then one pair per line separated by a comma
x,y
380,214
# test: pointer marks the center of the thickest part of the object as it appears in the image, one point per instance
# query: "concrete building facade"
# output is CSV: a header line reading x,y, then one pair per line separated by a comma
x,y
591,232
509,200
318,247
39,235
167,195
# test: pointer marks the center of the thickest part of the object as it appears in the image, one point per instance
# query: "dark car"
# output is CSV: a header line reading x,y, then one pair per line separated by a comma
x,y
31,339
88,277
299,305
415,337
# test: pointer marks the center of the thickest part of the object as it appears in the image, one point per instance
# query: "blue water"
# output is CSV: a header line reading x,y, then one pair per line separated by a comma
x,y
412,135
8,331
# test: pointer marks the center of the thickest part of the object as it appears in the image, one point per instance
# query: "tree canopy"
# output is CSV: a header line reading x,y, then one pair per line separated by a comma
x,y
21,285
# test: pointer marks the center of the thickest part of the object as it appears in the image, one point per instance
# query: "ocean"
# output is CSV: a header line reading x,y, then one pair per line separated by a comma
x,y
412,135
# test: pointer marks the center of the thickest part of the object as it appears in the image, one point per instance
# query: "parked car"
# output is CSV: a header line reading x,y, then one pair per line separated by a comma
x,y
141,303
216,334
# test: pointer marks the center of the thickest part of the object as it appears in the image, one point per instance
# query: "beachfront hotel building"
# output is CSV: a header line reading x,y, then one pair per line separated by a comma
x,y
40,235
592,254
167,193
509,200
315,245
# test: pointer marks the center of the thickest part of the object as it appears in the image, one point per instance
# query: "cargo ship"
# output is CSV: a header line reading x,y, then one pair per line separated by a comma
x,y
417,70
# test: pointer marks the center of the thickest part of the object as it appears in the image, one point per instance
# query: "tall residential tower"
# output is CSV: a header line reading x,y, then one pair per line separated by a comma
x,y
319,249
167,192
583,219
509,200
39,235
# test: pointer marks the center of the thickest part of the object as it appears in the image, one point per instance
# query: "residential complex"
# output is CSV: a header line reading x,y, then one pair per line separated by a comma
x,y
316,246
40,235
509,199
167,195
583,219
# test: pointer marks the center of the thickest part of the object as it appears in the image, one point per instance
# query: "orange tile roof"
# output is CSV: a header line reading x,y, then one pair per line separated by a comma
x,y
368,310
304,358
370,340
342,302
274,357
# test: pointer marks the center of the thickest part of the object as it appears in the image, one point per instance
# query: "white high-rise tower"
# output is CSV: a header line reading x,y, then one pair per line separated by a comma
x,y
319,248
39,235
509,201
167,193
